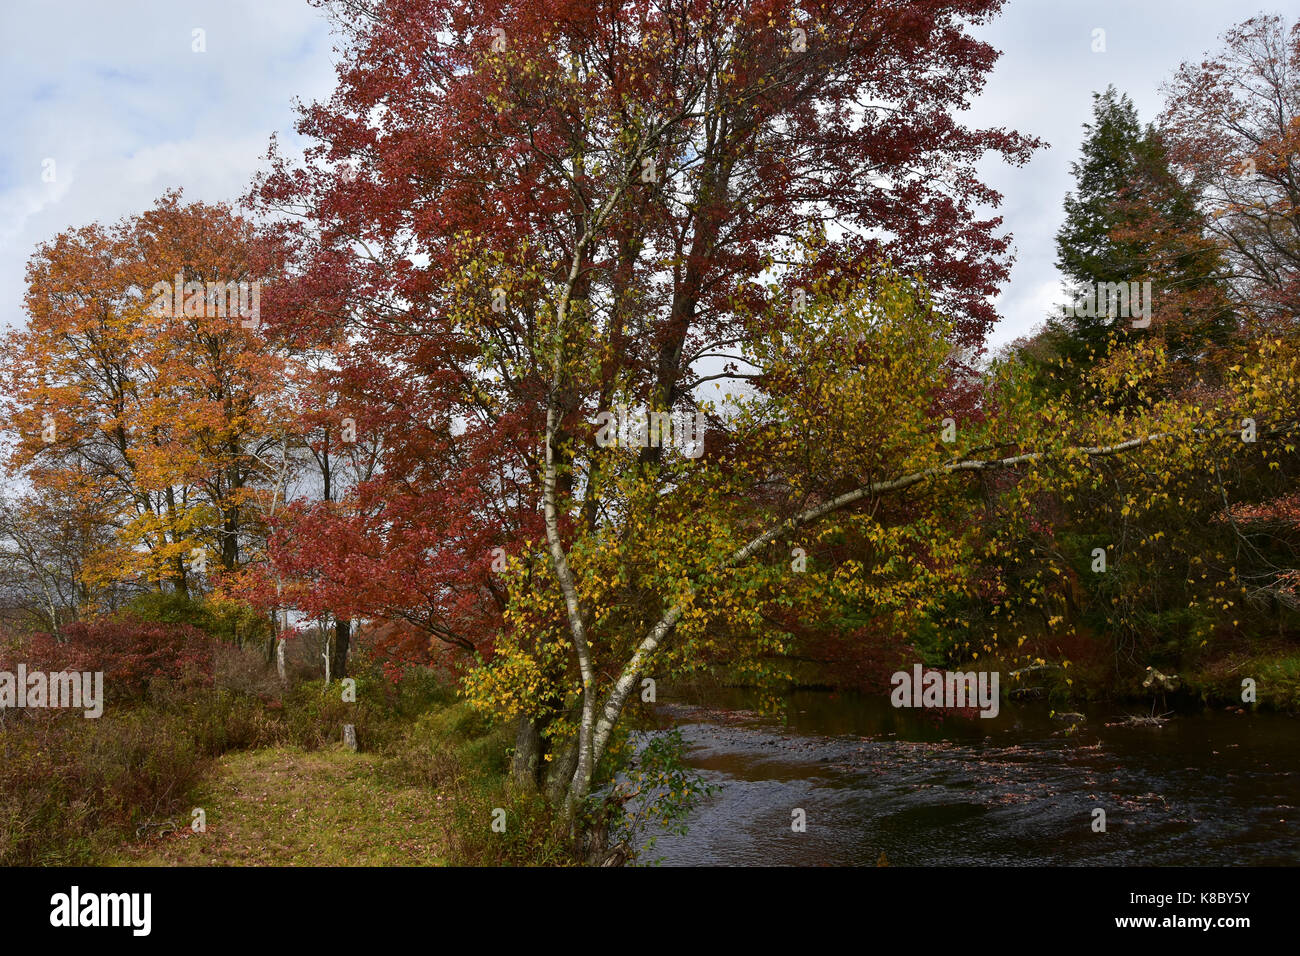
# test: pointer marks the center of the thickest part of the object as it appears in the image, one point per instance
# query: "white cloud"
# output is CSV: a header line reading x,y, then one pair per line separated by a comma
x,y
116,96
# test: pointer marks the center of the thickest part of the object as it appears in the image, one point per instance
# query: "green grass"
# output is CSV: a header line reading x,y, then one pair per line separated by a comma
x,y
1278,681
1276,675
283,806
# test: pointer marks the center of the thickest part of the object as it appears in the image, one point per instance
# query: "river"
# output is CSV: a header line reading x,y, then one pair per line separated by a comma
x,y
1207,788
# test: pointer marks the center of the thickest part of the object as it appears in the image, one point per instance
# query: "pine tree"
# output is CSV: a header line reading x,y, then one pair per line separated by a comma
x,y
1113,154
1131,219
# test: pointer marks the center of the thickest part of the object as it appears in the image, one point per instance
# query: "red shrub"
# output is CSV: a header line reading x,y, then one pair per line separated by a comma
x,y
131,654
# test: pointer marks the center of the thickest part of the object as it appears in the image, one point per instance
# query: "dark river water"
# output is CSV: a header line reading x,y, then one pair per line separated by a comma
x,y
1208,788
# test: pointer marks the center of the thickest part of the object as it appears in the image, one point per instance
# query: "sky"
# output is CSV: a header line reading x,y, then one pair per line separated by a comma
x,y
110,104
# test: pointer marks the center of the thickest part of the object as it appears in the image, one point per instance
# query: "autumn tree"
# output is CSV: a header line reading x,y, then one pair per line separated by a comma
x,y
498,190
1195,553
1232,127
46,541
319,461
142,386
685,555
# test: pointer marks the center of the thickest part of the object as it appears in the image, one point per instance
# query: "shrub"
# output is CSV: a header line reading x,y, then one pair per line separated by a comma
x,y
535,835
69,785
132,654
244,670
231,621
314,715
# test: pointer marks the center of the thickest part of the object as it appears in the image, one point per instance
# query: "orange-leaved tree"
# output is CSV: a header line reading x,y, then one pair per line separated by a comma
x,y
142,382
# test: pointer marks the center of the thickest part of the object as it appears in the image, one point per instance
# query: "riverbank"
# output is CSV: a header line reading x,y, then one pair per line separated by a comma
x,y
1067,676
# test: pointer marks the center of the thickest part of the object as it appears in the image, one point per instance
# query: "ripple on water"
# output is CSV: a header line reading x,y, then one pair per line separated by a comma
x,y
1022,797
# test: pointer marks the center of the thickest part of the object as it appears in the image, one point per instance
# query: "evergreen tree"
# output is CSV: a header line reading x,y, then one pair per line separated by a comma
x,y
1130,219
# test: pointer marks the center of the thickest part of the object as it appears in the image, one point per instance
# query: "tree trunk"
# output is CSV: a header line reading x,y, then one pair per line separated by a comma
x,y
342,637
230,540
560,780
526,764
279,647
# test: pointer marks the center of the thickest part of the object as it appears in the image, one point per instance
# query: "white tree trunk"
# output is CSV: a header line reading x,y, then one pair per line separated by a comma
x,y
279,647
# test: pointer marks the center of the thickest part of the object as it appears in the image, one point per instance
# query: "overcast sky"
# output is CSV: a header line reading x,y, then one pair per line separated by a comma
x,y
115,96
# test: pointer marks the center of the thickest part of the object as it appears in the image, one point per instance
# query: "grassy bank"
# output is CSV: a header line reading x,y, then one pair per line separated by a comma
x,y
283,806
267,766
